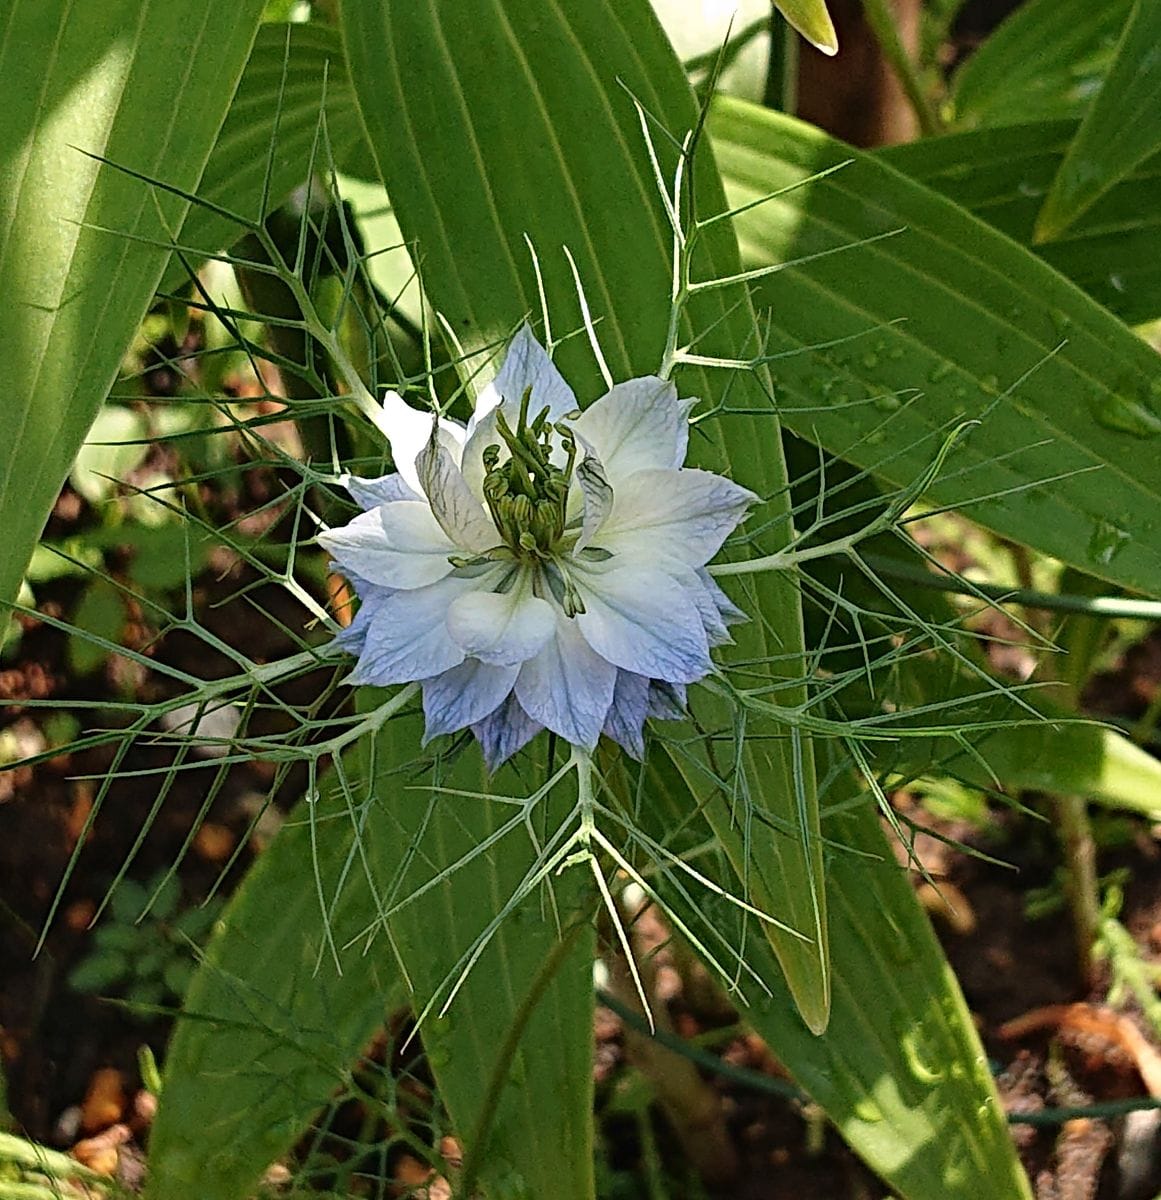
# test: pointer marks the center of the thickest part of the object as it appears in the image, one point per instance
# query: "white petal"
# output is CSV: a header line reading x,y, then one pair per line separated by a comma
x,y
399,545
504,732
505,628
597,498
628,712
684,514
370,493
636,426
642,619
460,515
464,695
568,687
408,430
407,637
415,557
526,365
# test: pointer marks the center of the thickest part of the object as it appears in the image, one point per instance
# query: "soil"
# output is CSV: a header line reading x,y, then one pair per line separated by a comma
x,y
73,1061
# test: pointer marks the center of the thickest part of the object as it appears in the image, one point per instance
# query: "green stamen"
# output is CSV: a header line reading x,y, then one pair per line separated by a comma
x,y
526,495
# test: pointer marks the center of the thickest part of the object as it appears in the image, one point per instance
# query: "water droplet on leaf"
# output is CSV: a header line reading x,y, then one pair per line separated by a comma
x,y
1125,412
1106,542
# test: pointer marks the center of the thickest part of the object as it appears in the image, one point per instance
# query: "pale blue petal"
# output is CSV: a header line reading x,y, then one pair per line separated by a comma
x,y
460,514
628,712
504,732
684,514
568,687
397,545
730,613
407,637
636,426
642,619
504,628
371,598
718,610
666,700
464,696
527,365
370,493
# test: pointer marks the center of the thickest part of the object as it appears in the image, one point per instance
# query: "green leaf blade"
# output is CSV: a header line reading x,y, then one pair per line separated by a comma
x,y
1002,174
1119,132
1067,460
900,1072
1046,61
77,82
556,154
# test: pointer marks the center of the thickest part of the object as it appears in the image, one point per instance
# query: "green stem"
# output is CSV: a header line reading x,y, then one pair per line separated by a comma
x,y
781,91
1081,884
882,23
1092,606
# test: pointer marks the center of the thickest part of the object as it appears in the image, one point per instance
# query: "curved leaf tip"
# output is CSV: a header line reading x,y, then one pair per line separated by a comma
x,y
812,20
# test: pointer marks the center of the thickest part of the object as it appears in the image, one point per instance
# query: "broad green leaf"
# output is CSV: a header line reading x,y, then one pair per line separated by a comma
x,y
506,122
1045,61
273,132
1002,175
301,973
900,1072
272,1020
145,84
1121,129
1067,460
513,1054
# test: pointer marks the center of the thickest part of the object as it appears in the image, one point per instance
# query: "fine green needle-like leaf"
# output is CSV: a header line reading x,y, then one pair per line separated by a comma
x,y
1121,129
265,144
900,1071
145,84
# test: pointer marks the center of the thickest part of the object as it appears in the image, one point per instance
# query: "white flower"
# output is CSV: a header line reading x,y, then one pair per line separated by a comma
x,y
542,567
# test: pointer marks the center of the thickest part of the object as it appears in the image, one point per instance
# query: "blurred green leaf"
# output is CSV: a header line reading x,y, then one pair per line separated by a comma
x,y
100,613
119,937
146,84
1066,461
116,444
1046,61
128,901
99,972
1121,129
1002,175
811,20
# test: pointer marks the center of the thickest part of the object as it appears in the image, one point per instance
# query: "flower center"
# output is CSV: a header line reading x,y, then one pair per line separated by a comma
x,y
526,494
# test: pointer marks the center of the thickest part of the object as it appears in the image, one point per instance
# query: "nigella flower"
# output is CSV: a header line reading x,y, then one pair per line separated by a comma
x,y
542,568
